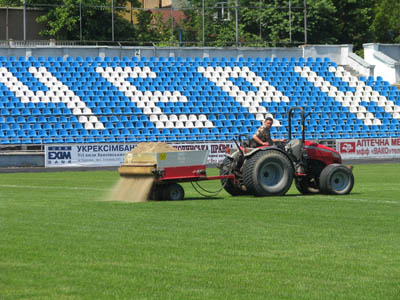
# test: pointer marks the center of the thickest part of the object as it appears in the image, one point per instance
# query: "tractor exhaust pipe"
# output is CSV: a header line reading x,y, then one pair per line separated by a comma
x,y
303,122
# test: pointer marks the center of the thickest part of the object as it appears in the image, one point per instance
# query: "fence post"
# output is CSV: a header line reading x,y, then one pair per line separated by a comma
x,y
290,21
172,22
305,21
260,16
80,20
112,19
203,24
7,23
24,20
237,22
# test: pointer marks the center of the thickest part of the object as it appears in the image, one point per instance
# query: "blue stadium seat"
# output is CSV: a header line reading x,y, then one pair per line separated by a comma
x,y
173,75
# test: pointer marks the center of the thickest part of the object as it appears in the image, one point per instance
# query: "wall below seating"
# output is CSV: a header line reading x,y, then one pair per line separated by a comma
x,y
21,159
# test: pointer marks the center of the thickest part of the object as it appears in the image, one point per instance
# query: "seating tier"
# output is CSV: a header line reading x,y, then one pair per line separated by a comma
x,y
93,99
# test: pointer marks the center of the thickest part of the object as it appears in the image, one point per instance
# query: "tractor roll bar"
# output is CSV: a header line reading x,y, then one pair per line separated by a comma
x,y
303,119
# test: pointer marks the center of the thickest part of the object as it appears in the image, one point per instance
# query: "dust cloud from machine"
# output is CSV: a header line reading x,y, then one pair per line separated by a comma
x,y
137,188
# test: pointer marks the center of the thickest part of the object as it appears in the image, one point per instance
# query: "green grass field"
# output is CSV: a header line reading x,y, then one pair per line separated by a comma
x,y
59,241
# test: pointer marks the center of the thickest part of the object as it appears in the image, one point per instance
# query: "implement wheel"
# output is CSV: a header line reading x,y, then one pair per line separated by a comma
x,y
229,184
336,179
173,191
268,173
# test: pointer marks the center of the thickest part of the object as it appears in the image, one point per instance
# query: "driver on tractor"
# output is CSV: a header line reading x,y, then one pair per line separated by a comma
x,y
263,135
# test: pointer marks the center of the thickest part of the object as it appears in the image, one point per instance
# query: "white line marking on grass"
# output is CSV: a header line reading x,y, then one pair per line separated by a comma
x,y
365,200
51,187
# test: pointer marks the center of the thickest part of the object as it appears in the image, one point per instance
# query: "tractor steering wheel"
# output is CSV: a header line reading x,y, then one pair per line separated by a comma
x,y
281,144
245,143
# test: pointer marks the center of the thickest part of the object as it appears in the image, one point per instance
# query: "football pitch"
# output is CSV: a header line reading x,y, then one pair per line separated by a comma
x,y
60,240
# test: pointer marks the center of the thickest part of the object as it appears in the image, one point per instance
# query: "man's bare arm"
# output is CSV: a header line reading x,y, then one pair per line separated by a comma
x,y
258,140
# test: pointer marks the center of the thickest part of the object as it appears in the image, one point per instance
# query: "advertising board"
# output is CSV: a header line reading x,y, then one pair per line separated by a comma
x,y
112,154
369,148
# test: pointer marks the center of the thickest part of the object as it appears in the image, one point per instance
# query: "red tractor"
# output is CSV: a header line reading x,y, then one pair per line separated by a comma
x,y
269,171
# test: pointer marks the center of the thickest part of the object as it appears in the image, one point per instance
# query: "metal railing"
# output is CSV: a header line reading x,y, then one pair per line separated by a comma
x,y
42,141
175,33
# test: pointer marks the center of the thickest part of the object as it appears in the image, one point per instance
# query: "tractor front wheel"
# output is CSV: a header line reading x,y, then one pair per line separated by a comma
x,y
336,179
268,173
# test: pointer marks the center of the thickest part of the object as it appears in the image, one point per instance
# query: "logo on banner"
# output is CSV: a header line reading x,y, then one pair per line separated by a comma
x,y
59,154
348,147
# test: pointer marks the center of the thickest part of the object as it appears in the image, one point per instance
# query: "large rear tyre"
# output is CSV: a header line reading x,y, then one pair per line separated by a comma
x,y
336,179
268,173
173,191
307,186
229,184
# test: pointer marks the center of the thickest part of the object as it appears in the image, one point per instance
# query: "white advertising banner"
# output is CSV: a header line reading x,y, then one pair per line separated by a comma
x,y
216,150
369,148
98,155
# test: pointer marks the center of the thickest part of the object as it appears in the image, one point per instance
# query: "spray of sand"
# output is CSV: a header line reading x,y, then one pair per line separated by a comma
x,y
132,189
137,188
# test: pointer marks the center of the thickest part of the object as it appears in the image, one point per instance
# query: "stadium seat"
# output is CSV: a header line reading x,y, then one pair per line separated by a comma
x,y
187,93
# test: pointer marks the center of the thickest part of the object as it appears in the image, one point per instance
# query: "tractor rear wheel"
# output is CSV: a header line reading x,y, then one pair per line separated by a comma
x,y
307,186
229,184
336,179
268,173
173,191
